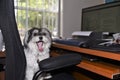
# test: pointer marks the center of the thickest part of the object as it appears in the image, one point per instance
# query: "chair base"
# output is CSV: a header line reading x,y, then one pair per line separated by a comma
x,y
62,76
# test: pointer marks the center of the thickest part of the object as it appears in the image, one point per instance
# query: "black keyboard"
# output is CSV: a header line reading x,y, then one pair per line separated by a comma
x,y
107,47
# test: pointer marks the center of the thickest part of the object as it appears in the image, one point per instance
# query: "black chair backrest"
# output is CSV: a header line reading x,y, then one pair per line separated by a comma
x,y
15,58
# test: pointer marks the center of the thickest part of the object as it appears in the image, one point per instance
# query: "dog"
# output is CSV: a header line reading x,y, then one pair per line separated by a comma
x,y
37,43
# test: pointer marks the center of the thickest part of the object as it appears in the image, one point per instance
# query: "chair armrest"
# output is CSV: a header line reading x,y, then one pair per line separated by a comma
x,y
59,62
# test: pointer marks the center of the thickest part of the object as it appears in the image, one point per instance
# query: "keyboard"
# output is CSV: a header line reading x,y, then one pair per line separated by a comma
x,y
107,47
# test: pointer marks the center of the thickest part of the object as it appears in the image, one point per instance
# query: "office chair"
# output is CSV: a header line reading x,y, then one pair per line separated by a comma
x,y
58,62
15,58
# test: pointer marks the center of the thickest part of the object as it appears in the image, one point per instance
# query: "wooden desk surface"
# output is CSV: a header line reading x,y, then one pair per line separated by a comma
x,y
2,57
100,68
2,54
110,55
105,69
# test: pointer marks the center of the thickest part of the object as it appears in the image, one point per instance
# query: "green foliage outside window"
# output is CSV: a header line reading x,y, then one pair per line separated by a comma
x,y
31,12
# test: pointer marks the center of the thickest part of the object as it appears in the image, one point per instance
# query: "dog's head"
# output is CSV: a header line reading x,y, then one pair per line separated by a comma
x,y
37,37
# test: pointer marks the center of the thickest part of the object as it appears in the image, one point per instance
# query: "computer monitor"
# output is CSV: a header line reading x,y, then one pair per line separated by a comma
x,y
101,18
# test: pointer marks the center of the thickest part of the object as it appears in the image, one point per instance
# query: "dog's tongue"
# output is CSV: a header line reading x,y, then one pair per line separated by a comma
x,y
40,44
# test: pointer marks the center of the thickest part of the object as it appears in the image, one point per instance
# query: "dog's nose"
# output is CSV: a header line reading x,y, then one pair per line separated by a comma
x,y
40,38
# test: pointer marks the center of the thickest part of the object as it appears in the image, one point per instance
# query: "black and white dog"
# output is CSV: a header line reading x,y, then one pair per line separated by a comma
x,y
37,42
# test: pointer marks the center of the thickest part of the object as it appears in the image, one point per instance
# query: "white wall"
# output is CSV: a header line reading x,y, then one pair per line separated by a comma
x,y
72,15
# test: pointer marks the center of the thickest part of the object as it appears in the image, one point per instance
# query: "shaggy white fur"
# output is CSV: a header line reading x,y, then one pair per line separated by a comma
x,y
36,46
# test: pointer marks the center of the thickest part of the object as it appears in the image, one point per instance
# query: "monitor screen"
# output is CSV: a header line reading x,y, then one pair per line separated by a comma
x,y
101,18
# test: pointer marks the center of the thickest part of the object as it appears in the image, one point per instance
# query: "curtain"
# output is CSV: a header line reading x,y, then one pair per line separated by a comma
x,y
15,58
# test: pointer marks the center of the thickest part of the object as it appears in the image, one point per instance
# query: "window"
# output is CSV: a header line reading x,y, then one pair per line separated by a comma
x,y
37,13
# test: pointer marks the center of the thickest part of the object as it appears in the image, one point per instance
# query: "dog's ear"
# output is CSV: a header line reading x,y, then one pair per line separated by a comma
x,y
25,40
28,36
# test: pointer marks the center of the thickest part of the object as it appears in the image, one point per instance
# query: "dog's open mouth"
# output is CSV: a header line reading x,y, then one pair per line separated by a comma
x,y
40,45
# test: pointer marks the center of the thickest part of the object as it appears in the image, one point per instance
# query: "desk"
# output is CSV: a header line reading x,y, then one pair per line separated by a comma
x,y
108,70
2,57
2,54
2,61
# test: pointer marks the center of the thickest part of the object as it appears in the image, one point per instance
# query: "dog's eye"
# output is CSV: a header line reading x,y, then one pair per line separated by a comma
x,y
35,34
